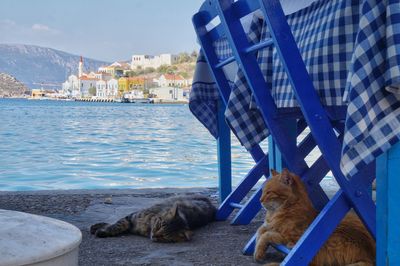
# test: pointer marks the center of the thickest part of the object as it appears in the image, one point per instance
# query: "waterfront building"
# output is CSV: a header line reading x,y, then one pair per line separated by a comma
x,y
103,76
126,84
116,69
168,93
38,93
103,69
171,80
90,75
87,86
101,89
112,88
145,61
70,88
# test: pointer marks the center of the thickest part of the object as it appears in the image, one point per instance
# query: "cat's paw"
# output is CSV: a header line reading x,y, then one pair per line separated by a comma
x,y
259,256
102,233
290,245
94,228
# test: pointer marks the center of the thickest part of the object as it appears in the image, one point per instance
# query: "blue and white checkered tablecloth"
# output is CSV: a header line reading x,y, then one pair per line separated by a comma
x,y
351,49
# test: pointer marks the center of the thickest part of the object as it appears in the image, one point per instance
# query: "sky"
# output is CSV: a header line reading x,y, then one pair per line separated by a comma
x,y
107,30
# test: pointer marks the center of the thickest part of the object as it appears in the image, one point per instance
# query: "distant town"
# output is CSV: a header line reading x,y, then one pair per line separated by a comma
x,y
164,78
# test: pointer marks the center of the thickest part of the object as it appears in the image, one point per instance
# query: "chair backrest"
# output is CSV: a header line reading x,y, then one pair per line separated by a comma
x,y
212,36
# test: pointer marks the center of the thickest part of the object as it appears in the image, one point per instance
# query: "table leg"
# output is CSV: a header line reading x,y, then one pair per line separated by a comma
x,y
388,212
224,155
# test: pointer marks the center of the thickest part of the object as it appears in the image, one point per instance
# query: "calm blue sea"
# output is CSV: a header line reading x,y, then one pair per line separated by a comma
x,y
75,145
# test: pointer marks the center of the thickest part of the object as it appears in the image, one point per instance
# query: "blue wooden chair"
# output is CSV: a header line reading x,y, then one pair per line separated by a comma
x,y
233,201
324,123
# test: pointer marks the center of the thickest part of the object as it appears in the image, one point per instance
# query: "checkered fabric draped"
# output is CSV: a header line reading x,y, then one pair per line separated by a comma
x,y
373,114
325,33
204,95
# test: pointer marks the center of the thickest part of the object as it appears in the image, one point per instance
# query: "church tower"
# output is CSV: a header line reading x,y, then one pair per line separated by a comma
x,y
80,69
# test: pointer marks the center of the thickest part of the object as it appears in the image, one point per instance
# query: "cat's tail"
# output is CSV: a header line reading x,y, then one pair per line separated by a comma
x,y
106,230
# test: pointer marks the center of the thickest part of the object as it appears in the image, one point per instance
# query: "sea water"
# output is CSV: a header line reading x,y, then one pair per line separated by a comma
x,y
79,145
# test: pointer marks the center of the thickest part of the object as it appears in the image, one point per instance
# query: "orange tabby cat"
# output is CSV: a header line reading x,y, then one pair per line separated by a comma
x,y
290,212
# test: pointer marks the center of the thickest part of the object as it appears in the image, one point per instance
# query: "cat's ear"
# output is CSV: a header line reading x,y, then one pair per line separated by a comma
x,y
274,172
286,178
188,235
175,211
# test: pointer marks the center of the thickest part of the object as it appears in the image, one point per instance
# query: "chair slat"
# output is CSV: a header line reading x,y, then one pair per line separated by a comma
x,y
259,46
224,62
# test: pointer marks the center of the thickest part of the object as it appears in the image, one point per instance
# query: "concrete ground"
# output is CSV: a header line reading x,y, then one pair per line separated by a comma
x,y
218,243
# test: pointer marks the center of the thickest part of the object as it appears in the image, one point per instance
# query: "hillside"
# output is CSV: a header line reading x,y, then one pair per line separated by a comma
x,y
34,65
11,87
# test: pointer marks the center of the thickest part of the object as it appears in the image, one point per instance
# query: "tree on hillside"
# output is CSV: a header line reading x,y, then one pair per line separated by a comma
x,y
162,69
184,58
184,74
165,69
149,70
194,54
131,73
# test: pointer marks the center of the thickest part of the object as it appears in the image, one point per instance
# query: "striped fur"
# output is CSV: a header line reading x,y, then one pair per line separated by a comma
x,y
170,221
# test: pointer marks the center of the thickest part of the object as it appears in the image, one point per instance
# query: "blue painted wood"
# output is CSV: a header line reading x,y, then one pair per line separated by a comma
x,y
224,62
250,246
224,155
354,191
313,111
318,232
381,209
393,210
237,37
249,210
258,46
290,127
200,20
319,168
388,212
236,205
244,187
255,79
272,153
311,178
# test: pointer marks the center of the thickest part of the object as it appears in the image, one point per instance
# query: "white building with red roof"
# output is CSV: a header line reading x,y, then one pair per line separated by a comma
x,y
171,80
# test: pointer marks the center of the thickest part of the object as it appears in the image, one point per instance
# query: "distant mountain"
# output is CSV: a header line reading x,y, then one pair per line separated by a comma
x,y
11,87
34,65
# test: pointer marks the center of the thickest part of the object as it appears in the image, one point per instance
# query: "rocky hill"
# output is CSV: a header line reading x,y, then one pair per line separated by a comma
x,y
34,65
11,87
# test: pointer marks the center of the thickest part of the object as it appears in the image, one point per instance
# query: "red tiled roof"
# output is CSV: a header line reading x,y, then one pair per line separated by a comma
x,y
173,77
87,78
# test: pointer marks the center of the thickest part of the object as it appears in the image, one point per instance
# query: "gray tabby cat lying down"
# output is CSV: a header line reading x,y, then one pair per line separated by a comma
x,y
170,221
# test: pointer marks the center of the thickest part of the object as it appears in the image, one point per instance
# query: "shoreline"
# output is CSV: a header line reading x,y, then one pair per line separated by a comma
x,y
154,101
116,191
